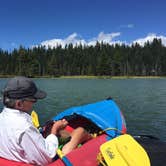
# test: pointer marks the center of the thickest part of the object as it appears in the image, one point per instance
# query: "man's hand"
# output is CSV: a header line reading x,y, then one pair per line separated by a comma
x,y
58,125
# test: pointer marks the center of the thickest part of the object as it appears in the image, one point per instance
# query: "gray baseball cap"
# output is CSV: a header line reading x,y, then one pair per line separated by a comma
x,y
22,87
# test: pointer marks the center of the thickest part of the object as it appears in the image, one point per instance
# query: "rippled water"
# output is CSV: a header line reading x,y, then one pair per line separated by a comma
x,y
143,101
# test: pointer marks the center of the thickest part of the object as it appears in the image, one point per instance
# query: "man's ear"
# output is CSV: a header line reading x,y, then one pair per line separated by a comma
x,y
19,104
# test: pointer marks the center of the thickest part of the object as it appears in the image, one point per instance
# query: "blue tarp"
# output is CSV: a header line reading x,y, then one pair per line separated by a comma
x,y
105,114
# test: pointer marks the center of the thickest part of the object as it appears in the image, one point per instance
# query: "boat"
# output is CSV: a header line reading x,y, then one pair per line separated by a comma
x,y
105,121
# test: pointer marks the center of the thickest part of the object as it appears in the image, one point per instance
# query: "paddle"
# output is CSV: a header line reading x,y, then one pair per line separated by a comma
x,y
125,151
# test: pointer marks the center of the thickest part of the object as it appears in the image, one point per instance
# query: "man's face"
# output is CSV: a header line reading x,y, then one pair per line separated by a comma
x,y
25,105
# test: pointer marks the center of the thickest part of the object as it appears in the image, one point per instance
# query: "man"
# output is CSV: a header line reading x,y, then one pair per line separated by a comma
x,y
19,139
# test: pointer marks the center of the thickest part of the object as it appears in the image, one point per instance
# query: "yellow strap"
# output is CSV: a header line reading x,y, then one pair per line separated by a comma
x,y
60,153
35,119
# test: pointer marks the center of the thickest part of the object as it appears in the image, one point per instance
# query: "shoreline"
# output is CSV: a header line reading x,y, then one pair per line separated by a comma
x,y
91,77
111,77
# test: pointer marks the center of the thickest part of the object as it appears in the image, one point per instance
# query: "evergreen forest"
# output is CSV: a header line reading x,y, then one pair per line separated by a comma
x,y
101,59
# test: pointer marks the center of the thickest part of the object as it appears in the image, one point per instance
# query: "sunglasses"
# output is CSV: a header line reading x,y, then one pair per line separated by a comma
x,y
30,100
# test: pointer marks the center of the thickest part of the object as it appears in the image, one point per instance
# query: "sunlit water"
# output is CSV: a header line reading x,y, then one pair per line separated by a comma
x,y
143,101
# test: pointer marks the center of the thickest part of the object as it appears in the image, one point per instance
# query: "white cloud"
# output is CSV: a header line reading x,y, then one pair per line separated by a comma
x,y
130,26
73,38
150,38
76,40
13,44
106,38
109,38
127,26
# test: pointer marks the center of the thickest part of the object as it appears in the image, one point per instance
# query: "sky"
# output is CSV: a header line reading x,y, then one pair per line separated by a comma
x,y
52,22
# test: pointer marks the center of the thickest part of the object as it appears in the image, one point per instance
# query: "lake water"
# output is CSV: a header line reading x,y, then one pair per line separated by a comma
x,y
143,101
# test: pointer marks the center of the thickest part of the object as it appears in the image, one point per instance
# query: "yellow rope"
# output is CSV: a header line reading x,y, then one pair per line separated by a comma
x,y
110,128
100,159
94,135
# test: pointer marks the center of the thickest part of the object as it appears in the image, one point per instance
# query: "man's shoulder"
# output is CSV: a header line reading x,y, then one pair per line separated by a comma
x,y
16,119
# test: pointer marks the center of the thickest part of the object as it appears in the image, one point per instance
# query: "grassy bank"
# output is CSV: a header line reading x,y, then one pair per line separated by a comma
x,y
111,77
90,77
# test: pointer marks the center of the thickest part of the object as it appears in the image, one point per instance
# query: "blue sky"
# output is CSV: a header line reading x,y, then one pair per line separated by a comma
x,y
52,22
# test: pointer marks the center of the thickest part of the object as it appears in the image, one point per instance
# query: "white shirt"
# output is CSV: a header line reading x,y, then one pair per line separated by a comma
x,y
21,141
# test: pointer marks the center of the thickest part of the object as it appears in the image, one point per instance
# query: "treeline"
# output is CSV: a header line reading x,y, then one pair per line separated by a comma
x,y
101,59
